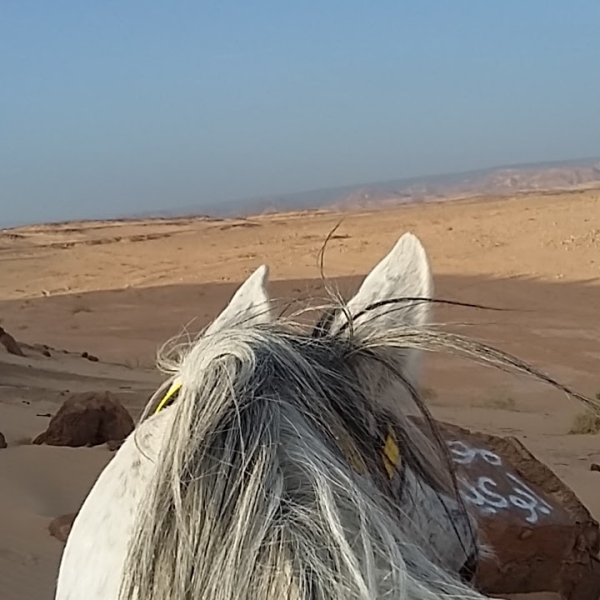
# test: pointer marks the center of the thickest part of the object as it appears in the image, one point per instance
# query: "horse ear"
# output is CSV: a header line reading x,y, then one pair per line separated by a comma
x,y
393,294
403,274
250,305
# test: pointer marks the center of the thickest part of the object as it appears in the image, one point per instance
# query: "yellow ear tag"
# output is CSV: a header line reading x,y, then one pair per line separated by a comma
x,y
391,454
175,387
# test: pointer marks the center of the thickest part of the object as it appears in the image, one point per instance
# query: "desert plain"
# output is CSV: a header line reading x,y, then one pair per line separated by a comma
x,y
118,290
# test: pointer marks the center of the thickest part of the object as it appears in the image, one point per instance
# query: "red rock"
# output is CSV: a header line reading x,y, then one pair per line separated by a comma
x,y
61,526
544,539
88,419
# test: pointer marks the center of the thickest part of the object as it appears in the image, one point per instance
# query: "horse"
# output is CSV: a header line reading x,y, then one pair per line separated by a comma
x,y
281,461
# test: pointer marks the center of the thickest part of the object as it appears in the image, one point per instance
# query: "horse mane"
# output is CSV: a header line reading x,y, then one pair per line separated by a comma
x,y
255,494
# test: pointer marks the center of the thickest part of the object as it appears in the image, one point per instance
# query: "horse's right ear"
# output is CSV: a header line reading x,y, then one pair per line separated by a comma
x,y
395,294
403,274
250,304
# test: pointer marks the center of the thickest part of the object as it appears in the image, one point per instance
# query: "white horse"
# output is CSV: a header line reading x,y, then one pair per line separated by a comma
x,y
285,466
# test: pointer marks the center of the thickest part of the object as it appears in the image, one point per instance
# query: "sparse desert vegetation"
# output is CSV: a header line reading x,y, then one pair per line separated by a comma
x,y
585,423
501,403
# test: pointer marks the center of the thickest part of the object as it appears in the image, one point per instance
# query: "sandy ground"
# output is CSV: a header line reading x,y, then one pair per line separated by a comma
x,y
120,289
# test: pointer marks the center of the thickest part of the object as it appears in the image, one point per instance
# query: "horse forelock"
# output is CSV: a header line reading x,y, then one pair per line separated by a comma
x,y
325,375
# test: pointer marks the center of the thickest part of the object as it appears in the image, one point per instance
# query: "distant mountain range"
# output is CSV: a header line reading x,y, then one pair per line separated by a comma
x,y
493,182
496,181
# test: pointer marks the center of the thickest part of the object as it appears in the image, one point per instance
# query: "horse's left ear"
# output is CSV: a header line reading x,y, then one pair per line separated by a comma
x,y
403,274
250,304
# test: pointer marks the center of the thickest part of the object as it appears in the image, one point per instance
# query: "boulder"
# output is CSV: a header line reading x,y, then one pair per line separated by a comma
x,y
61,526
543,538
88,419
2,441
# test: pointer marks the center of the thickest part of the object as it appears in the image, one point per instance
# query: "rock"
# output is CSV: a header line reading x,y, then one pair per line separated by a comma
x,y
43,349
543,538
114,445
2,441
61,526
88,419
9,342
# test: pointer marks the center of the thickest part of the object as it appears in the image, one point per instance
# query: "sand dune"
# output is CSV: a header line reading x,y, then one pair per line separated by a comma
x,y
118,290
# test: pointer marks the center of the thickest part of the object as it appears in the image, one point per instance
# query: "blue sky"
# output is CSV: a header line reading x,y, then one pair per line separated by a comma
x,y
114,107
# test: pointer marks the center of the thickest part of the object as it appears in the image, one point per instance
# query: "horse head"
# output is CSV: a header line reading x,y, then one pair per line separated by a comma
x,y
281,462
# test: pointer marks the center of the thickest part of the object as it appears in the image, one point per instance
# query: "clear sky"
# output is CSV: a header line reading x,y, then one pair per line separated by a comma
x,y
116,106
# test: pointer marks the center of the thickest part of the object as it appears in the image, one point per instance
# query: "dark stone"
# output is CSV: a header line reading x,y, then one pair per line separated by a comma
x,y
88,419
9,342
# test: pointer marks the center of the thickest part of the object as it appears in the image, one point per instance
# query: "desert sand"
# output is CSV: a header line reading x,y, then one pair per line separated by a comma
x,y
119,289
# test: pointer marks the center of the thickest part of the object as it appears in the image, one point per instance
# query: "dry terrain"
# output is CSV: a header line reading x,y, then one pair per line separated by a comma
x,y
118,290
